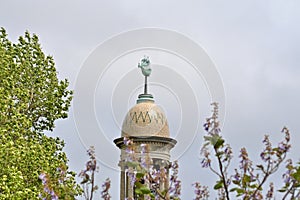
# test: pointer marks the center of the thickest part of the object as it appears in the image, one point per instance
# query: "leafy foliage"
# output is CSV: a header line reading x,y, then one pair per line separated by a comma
x,y
32,99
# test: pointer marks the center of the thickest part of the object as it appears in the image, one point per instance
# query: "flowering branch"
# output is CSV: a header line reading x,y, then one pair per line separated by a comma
x,y
175,188
273,157
105,190
201,191
248,180
222,151
292,181
150,181
88,178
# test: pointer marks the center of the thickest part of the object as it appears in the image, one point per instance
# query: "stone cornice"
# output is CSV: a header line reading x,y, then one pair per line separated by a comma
x,y
147,140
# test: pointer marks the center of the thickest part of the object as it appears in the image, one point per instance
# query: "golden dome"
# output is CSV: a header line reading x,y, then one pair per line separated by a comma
x,y
145,119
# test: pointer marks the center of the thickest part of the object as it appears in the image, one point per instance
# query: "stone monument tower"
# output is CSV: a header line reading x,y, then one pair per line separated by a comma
x,y
146,127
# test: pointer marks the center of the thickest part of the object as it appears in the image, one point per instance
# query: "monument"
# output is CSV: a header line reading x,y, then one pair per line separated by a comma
x,y
145,142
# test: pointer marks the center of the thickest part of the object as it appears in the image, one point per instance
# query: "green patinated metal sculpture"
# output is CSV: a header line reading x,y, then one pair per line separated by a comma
x,y
146,70
145,66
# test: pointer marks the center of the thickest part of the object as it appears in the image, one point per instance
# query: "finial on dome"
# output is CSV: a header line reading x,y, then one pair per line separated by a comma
x,y
145,66
146,70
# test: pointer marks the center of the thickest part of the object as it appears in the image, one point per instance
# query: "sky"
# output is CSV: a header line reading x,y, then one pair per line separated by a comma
x,y
248,61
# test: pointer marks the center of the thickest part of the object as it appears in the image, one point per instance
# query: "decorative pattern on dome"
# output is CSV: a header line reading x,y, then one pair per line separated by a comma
x,y
145,117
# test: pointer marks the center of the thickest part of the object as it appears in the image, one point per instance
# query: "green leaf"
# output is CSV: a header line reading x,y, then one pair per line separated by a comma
x,y
218,185
208,138
240,191
145,190
138,191
140,175
132,164
282,190
233,189
219,143
236,182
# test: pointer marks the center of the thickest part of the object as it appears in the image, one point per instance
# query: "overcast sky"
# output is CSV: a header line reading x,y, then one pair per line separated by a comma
x,y
254,45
